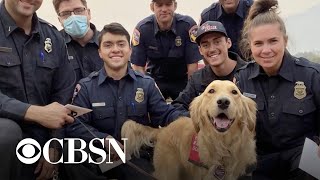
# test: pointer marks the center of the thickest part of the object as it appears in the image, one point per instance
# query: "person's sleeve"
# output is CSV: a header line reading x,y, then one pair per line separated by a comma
x,y
64,79
182,102
316,93
204,17
81,127
192,53
161,113
11,108
138,55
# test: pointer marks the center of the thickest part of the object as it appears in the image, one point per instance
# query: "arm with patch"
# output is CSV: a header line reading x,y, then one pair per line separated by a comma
x,y
192,54
81,127
138,56
161,113
182,102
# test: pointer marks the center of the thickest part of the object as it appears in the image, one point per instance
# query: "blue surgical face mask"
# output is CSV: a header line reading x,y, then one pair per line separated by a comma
x,y
76,26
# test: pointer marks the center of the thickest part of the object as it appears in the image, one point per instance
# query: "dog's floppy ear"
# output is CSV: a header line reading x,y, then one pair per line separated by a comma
x,y
195,109
250,110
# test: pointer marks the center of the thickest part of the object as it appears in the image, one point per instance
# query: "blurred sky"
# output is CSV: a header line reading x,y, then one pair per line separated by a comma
x,y
130,12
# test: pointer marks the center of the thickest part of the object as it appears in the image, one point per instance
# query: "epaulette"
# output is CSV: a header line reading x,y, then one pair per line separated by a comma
x,y
306,63
250,63
137,73
185,18
212,6
46,22
91,76
145,21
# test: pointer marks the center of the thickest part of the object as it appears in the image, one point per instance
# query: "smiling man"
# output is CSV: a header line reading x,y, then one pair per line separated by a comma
x,y
36,80
214,43
165,41
117,93
231,13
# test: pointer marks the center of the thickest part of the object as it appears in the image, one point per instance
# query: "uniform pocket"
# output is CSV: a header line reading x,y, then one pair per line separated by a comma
x,y
297,118
9,70
104,118
299,107
137,110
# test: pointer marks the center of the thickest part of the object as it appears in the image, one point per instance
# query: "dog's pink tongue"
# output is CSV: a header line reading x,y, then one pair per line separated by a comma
x,y
221,122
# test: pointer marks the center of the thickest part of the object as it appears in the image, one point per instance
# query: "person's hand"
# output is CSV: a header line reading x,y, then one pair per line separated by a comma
x,y
45,169
52,116
113,154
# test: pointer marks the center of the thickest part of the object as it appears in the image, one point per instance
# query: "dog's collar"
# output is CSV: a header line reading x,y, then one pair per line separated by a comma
x,y
194,158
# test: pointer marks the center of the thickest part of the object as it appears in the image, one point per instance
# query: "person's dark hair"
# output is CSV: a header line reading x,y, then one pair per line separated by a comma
x,y
56,4
261,12
114,28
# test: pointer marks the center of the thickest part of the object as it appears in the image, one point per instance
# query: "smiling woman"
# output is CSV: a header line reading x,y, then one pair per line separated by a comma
x,y
286,90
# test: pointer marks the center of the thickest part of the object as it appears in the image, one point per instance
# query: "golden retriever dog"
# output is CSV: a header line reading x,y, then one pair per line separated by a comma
x,y
223,122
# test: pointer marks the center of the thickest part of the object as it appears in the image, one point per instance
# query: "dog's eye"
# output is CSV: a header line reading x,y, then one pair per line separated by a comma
x,y
234,92
212,91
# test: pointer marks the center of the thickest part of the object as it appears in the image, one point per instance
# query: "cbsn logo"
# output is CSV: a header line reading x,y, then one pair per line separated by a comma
x,y
28,146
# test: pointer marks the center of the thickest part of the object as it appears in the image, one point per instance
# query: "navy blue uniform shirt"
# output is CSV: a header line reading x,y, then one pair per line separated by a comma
x,y
232,22
288,103
134,97
167,53
34,70
84,59
200,80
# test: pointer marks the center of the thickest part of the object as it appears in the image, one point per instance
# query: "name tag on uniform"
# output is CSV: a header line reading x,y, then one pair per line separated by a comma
x,y
249,95
100,104
153,48
5,49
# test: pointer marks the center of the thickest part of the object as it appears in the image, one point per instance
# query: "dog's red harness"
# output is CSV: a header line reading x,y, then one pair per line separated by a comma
x,y
195,159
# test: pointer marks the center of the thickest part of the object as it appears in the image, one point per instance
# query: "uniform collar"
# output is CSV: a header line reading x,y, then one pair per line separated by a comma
x,y
156,27
10,25
103,75
239,10
95,38
285,68
210,74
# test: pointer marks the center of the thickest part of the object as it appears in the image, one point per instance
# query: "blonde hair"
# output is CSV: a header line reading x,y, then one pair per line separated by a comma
x,y
261,12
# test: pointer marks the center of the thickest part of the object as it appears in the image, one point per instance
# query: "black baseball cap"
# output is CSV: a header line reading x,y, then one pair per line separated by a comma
x,y
210,26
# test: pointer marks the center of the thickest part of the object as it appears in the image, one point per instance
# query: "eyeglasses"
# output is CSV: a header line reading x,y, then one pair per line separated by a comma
x,y
76,11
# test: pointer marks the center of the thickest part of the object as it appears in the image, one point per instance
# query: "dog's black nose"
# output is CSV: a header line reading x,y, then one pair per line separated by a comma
x,y
223,103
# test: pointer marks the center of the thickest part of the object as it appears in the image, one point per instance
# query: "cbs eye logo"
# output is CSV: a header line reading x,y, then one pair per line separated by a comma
x,y
27,150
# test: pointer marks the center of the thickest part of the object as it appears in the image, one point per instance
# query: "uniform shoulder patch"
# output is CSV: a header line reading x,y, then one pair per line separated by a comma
x,y
135,37
76,91
193,33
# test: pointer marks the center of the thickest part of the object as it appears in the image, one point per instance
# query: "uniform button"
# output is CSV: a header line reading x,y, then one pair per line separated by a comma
x,y
8,63
272,97
300,111
272,114
100,116
120,113
120,98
